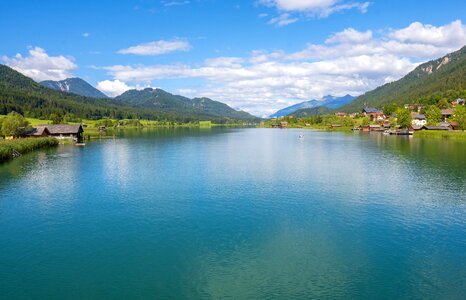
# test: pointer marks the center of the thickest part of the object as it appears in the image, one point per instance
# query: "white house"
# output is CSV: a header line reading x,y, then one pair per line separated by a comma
x,y
418,119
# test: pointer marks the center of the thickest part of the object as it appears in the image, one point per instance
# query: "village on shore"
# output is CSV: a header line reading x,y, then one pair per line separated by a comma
x,y
395,121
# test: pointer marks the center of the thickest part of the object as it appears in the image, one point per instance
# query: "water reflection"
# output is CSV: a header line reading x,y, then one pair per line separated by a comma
x,y
240,213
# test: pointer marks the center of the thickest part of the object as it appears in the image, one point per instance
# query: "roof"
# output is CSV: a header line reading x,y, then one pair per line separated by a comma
x,y
371,110
447,111
418,116
437,128
38,131
374,126
418,127
63,129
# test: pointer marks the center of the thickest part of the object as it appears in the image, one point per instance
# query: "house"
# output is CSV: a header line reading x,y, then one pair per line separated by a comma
x,y
458,101
417,127
39,131
438,127
418,119
413,107
74,132
283,124
447,113
341,114
442,126
375,128
373,113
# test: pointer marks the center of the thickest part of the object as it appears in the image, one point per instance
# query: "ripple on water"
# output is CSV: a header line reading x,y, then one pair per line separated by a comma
x,y
235,214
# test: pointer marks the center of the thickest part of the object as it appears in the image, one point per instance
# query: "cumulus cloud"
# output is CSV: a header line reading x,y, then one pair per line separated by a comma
x,y
350,35
158,47
320,8
453,34
347,62
113,88
40,66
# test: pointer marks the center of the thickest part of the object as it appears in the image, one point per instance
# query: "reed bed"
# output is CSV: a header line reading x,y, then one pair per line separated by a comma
x,y
11,148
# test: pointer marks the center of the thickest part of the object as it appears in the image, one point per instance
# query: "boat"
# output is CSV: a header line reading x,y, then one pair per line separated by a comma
x,y
80,144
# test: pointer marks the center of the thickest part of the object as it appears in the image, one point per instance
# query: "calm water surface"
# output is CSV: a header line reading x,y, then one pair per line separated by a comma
x,y
236,213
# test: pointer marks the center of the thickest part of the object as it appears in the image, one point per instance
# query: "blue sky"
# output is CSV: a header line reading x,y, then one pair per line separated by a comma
x,y
259,55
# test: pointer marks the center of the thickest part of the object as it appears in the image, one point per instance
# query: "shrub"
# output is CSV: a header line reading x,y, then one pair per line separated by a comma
x,y
14,124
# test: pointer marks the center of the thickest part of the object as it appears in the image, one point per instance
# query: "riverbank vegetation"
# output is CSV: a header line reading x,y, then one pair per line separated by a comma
x,y
13,148
435,134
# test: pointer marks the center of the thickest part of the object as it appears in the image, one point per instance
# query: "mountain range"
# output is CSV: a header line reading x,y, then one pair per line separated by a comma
x,y
74,85
432,80
22,94
161,100
328,102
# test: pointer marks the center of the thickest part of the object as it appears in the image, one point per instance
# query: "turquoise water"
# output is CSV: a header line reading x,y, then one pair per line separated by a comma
x,y
236,213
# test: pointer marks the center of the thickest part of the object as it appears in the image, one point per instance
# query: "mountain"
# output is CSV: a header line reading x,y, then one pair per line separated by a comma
x,y
327,101
22,94
313,111
74,85
435,78
161,100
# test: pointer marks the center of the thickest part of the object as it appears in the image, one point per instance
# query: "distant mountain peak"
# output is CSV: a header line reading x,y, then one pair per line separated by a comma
x,y
74,85
328,101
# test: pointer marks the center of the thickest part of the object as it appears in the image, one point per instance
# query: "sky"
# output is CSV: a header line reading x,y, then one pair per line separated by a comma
x,y
257,55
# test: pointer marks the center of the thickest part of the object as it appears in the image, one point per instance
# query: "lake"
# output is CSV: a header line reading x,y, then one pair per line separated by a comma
x,y
236,213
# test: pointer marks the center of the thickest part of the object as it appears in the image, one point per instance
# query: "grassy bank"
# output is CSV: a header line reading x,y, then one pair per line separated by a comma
x,y
440,134
23,146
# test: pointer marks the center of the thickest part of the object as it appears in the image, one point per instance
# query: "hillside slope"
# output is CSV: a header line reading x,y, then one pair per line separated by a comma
x,y
161,100
22,94
434,77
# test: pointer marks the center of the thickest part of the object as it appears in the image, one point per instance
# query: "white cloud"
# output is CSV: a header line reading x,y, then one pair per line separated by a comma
x,y
348,62
158,47
174,3
86,34
40,66
350,35
319,8
452,35
283,20
113,87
